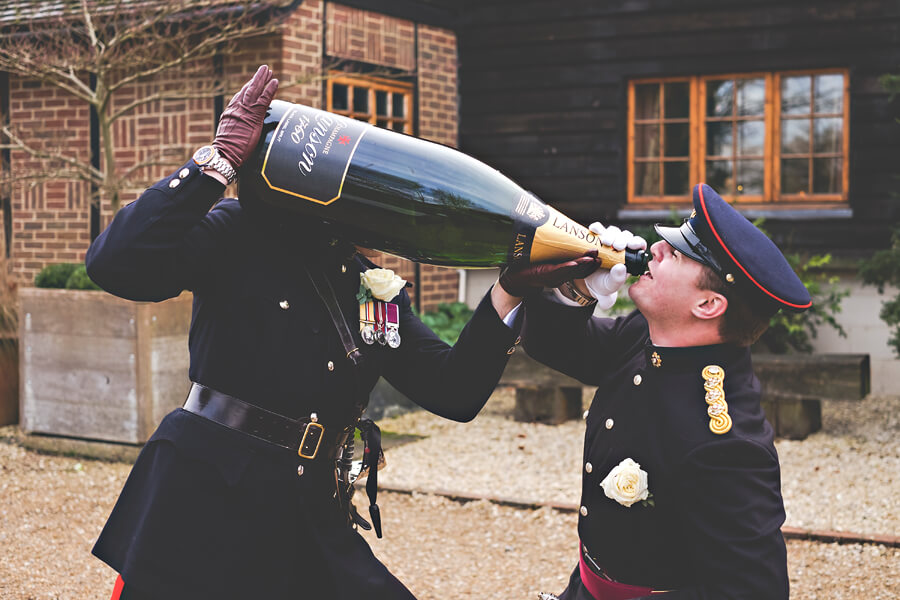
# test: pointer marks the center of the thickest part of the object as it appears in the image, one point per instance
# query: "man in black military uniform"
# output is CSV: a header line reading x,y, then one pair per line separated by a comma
x,y
681,491
228,499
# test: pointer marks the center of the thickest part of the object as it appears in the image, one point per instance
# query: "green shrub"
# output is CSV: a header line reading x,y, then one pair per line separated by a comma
x,y
79,280
795,331
70,276
54,276
448,320
882,270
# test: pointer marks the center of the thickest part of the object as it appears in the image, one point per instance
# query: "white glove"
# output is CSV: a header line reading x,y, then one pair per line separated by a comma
x,y
619,239
604,285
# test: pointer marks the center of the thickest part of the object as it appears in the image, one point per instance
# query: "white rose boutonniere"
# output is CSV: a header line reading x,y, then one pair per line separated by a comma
x,y
383,284
627,484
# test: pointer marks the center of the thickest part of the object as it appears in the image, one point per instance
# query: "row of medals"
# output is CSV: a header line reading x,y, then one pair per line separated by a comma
x,y
380,322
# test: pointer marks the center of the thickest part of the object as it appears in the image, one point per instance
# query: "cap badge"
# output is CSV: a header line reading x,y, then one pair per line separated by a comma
x,y
656,360
714,384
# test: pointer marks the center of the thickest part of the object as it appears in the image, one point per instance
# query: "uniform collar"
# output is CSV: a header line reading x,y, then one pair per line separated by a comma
x,y
688,358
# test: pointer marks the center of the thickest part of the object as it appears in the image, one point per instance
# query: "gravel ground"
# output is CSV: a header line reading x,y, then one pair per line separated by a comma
x,y
844,478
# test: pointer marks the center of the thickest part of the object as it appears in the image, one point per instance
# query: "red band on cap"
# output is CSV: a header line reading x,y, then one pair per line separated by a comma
x,y
740,266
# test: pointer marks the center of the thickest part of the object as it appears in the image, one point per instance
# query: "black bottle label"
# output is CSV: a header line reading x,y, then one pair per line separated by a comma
x,y
310,153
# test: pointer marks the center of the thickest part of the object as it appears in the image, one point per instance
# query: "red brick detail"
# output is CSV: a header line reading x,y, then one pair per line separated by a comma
x,y
300,56
370,37
48,119
438,95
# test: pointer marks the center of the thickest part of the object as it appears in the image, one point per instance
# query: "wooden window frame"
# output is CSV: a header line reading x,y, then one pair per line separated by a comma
x,y
373,85
771,196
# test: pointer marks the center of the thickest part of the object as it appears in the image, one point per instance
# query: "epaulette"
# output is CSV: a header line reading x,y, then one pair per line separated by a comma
x,y
714,384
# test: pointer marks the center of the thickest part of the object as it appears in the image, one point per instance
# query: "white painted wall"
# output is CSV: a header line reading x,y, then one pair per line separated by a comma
x,y
866,333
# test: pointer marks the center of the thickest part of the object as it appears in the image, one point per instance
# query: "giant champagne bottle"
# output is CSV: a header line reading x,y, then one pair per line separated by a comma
x,y
410,197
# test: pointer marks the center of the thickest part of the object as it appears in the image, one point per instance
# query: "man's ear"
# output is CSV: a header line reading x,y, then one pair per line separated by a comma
x,y
711,306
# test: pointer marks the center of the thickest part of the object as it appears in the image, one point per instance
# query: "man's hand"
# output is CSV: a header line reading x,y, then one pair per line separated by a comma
x,y
241,122
518,281
619,239
605,285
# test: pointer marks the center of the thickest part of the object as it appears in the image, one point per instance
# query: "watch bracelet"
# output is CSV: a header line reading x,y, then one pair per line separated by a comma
x,y
570,291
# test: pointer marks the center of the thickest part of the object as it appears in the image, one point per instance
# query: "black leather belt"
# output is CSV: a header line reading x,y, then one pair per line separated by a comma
x,y
305,436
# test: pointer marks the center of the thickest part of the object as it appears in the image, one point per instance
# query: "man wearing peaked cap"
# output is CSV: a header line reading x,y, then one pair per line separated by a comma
x,y
721,238
681,488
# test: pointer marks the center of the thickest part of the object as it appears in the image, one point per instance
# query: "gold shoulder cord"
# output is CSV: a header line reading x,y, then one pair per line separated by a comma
x,y
714,384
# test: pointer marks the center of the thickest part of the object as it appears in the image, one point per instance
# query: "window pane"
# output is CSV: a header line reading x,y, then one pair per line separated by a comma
x,y
826,135
794,175
795,95
829,92
719,175
360,100
675,180
677,139
719,139
827,176
646,140
751,99
750,177
646,179
399,105
795,136
751,137
398,126
719,98
678,100
381,103
339,97
382,123
646,101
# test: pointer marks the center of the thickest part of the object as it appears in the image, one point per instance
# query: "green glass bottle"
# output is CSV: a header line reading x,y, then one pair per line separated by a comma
x,y
406,196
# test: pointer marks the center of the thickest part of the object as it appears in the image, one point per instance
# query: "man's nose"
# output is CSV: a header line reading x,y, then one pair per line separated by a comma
x,y
660,249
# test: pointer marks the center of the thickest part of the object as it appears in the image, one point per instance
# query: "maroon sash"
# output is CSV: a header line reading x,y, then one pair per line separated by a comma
x,y
604,589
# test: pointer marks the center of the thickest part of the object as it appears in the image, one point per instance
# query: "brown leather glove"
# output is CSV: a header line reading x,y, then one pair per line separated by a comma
x,y
520,281
241,122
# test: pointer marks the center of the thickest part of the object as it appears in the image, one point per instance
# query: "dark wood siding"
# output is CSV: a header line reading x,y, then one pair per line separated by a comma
x,y
543,89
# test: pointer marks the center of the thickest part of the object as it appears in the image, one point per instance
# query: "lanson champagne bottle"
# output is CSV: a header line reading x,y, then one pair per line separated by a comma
x,y
410,197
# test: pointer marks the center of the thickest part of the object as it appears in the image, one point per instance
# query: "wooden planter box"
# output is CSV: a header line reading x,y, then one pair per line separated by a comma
x,y
97,367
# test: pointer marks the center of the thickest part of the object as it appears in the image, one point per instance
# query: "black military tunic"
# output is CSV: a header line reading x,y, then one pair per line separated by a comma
x,y
712,530
208,512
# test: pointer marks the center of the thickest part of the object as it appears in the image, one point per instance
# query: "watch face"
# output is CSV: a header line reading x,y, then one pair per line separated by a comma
x,y
204,155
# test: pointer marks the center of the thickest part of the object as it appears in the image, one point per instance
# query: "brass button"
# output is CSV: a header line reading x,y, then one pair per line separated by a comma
x,y
330,365
511,350
638,379
609,423
583,511
585,415
184,173
284,304
300,470
174,183
588,467
343,268
518,340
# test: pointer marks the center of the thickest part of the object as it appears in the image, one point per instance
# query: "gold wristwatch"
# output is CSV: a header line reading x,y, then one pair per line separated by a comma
x,y
207,157
570,291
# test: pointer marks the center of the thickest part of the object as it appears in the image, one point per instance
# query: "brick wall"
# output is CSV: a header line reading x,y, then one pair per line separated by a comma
x,y
51,221
370,37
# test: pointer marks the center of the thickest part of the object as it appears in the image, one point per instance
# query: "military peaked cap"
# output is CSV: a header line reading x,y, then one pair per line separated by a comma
x,y
720,237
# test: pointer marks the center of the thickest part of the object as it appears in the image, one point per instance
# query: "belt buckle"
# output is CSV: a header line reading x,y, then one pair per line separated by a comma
x,y
312,438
